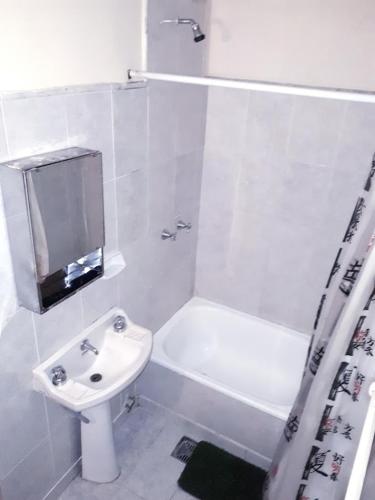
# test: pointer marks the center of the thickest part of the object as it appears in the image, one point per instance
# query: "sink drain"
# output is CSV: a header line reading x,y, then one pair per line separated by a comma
x,y
96,377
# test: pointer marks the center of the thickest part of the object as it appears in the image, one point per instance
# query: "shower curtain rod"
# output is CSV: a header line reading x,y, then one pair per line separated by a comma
x,y
339,94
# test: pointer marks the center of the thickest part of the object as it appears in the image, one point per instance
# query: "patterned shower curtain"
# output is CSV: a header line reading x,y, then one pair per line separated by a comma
x,y
316,452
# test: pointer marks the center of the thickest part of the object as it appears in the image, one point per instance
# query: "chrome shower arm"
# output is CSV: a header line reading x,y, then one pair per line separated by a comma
x,y
197,32
179,20
165,21
186,21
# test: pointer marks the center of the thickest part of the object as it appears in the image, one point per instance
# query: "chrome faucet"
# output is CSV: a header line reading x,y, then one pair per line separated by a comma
x,y
86,346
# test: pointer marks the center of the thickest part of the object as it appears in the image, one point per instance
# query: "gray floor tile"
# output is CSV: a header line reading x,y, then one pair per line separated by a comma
x,y
182,495
135,434
125,494
85,490
156,474
145,439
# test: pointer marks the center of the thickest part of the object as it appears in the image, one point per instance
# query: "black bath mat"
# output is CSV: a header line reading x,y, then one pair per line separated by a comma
x,y
215,474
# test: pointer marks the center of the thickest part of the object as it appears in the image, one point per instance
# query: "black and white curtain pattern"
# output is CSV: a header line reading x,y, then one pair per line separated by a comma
x,y
316,452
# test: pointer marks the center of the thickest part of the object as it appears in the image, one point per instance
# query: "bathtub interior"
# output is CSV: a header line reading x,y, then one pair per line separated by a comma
x,y
253,358
193,340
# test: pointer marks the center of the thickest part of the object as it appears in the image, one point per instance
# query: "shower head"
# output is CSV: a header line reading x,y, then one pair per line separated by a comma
x,y
198,35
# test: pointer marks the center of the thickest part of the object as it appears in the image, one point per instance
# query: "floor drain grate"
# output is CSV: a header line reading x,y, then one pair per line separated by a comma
x,y
184,449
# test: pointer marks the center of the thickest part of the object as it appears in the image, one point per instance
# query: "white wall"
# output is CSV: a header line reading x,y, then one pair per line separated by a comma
x,y
313,42
280,179
46,43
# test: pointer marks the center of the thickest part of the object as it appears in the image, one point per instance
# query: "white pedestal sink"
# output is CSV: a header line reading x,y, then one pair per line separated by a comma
x,y
87,378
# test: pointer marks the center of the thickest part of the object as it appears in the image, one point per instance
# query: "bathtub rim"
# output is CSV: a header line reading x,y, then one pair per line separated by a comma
x,y
160,357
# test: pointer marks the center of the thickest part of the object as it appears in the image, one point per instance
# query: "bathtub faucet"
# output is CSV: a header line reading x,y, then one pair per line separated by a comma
x,y
183,225
167,235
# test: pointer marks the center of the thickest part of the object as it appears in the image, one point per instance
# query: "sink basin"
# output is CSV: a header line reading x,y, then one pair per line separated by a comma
x,y
121,358
91,378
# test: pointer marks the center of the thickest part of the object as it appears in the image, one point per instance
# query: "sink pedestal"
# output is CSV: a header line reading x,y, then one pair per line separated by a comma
x,y
99,462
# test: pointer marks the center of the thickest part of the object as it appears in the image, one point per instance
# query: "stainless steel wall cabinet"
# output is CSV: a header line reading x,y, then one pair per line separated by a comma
x,y
55,215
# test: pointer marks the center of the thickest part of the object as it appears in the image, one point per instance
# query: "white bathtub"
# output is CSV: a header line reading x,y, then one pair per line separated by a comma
x,y
229,371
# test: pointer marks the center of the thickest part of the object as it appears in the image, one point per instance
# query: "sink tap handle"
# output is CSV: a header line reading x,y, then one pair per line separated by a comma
x,y
59,376
119,325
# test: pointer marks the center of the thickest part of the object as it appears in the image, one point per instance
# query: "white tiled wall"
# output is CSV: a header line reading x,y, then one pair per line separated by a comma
x,y
280,178
160,274
144,193
42,439
152,195
152,143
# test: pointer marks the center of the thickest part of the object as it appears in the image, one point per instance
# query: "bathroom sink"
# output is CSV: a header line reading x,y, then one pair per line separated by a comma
x,y
86,373
94,377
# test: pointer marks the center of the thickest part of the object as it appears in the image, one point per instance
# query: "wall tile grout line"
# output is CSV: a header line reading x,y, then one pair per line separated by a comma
x,y
46,438
114,166
43,396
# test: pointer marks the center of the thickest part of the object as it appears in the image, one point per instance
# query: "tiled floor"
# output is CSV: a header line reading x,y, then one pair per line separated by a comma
x,y
145,439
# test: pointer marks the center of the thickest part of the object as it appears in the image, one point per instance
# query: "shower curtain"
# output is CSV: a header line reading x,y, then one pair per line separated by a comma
x,y
316,452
